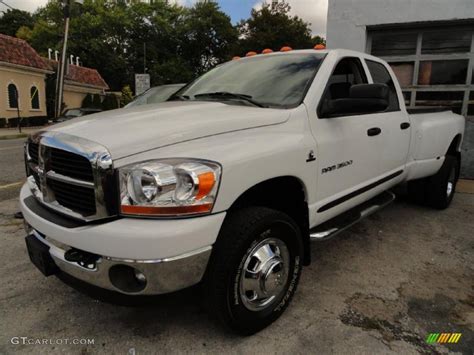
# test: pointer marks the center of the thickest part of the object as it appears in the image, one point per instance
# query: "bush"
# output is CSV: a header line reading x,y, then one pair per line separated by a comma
x,y
3,122
96,101
127,95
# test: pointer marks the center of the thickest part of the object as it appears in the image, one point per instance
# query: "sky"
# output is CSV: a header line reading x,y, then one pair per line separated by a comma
x,y
313,11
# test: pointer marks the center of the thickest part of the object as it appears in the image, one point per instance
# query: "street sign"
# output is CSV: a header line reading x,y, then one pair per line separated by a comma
x,y
142,83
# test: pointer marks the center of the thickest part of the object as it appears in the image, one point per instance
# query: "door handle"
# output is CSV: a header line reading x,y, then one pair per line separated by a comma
x,y
404,125
373,131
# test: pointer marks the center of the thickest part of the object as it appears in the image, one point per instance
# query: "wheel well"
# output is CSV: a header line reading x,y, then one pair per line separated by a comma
x,y
454,147
285,194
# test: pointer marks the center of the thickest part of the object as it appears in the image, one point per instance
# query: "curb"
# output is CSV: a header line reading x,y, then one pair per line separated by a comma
x,y
14,136
465,186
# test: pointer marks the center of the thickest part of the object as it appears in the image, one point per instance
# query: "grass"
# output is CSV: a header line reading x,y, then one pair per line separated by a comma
x,y
14,136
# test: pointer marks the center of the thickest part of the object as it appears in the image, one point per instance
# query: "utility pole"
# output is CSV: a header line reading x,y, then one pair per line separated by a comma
x,y
62,62
18,109
144,57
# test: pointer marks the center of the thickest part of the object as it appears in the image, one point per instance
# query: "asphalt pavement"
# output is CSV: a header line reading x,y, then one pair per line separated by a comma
x,y
12,168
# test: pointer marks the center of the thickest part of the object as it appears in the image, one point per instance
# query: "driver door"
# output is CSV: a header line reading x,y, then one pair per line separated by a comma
x,y
348,148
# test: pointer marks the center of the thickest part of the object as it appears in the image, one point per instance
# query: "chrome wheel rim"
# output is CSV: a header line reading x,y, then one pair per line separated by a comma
x,y
264,274
451,181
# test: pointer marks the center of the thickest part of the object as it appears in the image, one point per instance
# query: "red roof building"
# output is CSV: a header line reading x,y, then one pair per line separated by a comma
x,y
22,80
77,75
18,52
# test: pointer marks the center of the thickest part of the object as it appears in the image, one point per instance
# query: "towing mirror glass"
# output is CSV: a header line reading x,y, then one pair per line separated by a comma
x,y
363,99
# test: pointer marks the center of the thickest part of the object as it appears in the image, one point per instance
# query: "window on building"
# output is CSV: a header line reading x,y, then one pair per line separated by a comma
x,y
446,41
12,96
34,95
404,72
442,72
381,75
435,57
470,107
451,99
393,43
407,97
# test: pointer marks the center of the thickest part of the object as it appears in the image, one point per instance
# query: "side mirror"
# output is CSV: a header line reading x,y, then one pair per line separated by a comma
x,y
363,98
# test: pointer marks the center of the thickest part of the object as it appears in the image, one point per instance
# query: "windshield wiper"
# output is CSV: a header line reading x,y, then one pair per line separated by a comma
x,y
231,95
178,97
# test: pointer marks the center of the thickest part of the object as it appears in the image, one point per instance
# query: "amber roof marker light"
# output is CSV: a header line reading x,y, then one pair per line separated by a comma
x,y
319,46
286,49
251,54
267,50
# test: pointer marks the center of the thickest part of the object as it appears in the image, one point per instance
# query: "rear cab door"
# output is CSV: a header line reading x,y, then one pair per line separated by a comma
x,y
394,122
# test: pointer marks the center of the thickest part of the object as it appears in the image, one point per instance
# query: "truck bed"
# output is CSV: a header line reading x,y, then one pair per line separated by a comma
x,y
427,109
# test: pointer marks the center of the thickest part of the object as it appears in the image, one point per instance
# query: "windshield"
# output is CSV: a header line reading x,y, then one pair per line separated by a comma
x,y
73,113
279,80
155,95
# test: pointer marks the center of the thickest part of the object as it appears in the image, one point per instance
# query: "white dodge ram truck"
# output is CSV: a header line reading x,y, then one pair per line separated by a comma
x,y
228,182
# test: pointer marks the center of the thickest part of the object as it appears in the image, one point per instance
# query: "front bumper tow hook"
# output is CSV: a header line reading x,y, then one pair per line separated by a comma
x,y
83,258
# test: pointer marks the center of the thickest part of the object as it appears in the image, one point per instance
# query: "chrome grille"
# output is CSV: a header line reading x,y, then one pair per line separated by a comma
x,y
33,151
70,164
71,175
77,198
33,158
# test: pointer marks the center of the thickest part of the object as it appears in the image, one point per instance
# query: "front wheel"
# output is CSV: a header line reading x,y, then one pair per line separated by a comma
x,y
254,269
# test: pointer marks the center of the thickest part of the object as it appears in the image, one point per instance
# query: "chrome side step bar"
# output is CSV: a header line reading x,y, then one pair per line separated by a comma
x,y
340,223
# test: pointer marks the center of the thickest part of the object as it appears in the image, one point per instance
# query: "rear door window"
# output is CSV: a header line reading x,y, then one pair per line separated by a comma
x,y
380,75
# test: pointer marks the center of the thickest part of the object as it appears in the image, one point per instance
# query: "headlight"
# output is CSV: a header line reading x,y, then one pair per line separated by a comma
x,y
169,187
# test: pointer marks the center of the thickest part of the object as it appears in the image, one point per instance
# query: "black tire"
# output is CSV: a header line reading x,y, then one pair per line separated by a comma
x,y
433,191
437,192
244,232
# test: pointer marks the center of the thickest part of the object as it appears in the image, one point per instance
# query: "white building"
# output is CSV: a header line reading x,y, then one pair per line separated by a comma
x,y
428,43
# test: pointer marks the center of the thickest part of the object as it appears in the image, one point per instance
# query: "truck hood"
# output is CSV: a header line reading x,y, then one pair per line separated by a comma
x,y
130,131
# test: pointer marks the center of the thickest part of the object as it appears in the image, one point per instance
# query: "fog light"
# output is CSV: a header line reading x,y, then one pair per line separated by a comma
x,y
140,276
127,279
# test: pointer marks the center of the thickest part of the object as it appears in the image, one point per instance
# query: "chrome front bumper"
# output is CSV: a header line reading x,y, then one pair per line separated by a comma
x,y
160,275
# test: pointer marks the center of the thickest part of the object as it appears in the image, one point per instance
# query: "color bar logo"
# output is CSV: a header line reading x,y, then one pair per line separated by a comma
x,y
443,338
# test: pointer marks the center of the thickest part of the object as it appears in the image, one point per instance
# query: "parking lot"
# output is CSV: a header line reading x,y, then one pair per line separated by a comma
x,y
381,287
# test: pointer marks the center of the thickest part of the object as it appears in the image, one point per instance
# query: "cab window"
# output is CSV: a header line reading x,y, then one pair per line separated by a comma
x,y
380,75
348,72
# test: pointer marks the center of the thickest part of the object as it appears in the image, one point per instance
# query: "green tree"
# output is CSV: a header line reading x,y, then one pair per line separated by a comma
x,y
46,31
318,40
273,28
98,34
13,20
127,95
208,36
174,70
50,95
